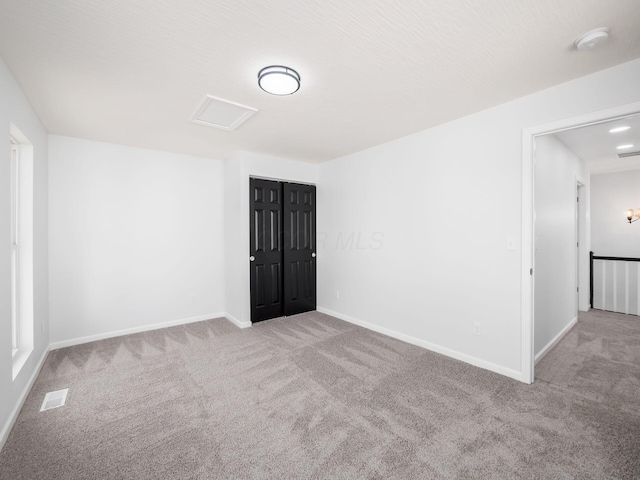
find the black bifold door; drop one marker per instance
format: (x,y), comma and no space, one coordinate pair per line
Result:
(283,246)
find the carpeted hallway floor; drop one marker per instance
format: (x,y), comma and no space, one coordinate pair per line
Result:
(311,396)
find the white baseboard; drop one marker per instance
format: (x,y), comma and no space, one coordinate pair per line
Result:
(128,331)
(555,340)
(428,345)
(6,429)
(237,322)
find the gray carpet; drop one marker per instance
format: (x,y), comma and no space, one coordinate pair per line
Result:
(311,396)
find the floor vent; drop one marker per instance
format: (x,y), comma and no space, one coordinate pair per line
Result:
(54,399)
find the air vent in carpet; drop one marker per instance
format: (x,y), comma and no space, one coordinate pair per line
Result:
(54,399)
(219,113)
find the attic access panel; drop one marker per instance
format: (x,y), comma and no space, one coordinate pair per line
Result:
(219,113)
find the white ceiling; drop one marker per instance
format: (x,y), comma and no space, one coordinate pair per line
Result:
(597,147)
(133,72)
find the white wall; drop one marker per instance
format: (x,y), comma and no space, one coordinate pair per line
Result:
(444,201)
(611,195)
(235,259)
(616,285)
(557,169)
(14,108)
(133,234)
(238,170)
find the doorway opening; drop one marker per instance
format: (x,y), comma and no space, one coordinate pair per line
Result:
(535,342)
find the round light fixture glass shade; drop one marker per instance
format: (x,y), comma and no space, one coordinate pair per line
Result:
(279,80)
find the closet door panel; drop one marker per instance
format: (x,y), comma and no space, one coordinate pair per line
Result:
(266,254)
(299,248)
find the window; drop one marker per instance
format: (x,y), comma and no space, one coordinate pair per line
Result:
(22,324)
(15,268)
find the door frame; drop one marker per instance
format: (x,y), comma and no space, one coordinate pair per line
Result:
(529,134)
(578,230)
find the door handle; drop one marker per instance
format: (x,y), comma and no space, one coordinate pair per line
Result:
(252,258)
(313,254)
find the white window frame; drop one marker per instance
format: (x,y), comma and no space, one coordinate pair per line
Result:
(15,248)
(22,245)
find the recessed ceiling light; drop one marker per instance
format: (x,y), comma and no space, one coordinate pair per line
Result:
(625,146)
(619,129)
(592,39)
(279,80)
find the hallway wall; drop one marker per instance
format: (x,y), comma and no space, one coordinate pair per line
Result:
(612,194)
(557,169)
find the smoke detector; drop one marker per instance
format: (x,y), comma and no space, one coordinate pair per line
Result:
(592,39)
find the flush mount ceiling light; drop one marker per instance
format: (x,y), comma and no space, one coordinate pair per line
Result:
(619,129)
(624,147)
(592,39)
(279,80)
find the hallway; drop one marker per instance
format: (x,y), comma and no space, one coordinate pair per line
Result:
(599,359)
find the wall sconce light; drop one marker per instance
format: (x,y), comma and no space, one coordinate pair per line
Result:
(633,216)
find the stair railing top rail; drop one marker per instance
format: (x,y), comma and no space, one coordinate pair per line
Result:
(619,259)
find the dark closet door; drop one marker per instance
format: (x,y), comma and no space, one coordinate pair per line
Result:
(266,258)
(299,248)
